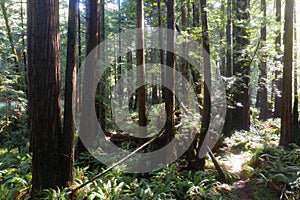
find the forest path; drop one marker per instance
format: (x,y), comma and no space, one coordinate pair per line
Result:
(235,163)
(243,190)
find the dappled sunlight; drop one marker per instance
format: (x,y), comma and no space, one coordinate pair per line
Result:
(234,162)
(192,106)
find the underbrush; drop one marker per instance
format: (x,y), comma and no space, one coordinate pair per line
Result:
(277,170)
(15,175)
(271,172)
(167,183)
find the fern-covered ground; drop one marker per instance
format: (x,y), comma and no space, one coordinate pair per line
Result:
(255,168)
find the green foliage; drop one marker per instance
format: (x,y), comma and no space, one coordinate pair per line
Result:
(13,116)
(270,169)
(278,169)
(15,175)
(49,194)
(261,134)
(167,183)
(17,22)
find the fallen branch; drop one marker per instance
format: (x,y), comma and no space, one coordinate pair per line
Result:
(117,163)
(217,166)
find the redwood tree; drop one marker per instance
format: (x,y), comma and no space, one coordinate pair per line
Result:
(140,61)
(169,93)
(262,96)
(241,67)
(278,79)
(161,51)
(286,135)
(70,85)
(227,130)
(196,163)
(44,94)
(295,115)
(103,93)
(92,40)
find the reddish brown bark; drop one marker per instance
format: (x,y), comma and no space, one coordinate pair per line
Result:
(44,93)
(286,134)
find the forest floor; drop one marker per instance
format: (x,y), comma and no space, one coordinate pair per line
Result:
(234,163)
(242,187)
(256,167)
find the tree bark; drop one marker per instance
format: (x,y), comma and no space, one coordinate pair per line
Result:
(262,94)
(92,40)
(196,17)
(227,129)
(241,68)
(70,86)
(140,59)
(169,93)
(286,135)
(184,67)
(278,61)
(44,93)
(194,162)
(296,101)
(119,65)
(102,82)
(79,35)
(161,51)
(205,120)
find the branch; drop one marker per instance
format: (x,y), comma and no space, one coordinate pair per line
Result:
(117,163)
(217,166)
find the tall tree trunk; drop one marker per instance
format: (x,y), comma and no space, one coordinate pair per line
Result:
(196,17)
(70,86)
(44,94)
(278,61)
(119,67)
(129,67)
(161,51)
(205,120)
(103,83)
(241,68)
(92,25)
(79,35)
(192,153)
(286,135)
(92,40)
(169,93)
(196,163)
(140,62)
(184,67)
(154,96)
(227,129)
(263,97)
(296,101)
